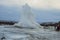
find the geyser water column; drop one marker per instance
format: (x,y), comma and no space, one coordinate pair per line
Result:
(27,19)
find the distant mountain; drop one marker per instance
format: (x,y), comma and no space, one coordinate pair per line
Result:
(13,14)
(9,13)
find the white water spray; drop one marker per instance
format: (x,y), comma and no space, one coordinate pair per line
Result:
(27,18)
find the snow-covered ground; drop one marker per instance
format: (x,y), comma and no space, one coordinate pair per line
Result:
(13,33)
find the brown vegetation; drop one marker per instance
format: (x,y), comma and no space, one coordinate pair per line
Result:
(7,22)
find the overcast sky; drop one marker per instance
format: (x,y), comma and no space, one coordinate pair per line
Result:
(41,5)
(33,3)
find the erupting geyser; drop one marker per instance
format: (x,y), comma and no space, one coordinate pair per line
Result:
(27,18)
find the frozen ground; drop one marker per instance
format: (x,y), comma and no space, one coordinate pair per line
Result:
(13,33)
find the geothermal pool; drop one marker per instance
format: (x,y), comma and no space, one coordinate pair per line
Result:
(13,33)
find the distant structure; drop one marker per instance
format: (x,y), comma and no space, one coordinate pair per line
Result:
(51,25)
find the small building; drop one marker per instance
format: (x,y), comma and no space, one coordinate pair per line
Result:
(50,25)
